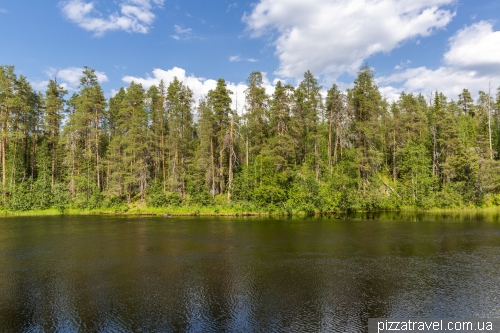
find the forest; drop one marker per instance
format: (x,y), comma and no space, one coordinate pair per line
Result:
(296,151)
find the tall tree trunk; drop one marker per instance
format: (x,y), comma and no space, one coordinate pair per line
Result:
(394,172)
(230,182)
(434,152)
(330,135)
(212,166)
(162,152)
(489,120)
(4,152)
(97,151)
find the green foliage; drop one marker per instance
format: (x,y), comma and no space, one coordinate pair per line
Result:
(173,199)
(21,199)
(41,194)
(416,179)
(448,198)
(156,198)
(115,203)
(61,197)
(269,196)
(289,152)
(304,194)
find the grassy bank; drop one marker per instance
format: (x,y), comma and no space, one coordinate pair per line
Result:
(141,210)
(172,211)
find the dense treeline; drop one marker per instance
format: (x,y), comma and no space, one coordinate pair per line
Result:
(292,151)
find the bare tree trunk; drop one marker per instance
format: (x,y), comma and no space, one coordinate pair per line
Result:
(175,175)
(394,172)
(72,181)
(53,170)
(4,161)
(162,152)
(97,149)
(230,182)
(330,135)
(340,143)
(489,120)
(213,166)
(434,152)
(316,156)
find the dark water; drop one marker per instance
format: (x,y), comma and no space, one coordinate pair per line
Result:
(112,274)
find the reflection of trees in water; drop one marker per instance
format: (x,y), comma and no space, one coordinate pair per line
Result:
(196,274)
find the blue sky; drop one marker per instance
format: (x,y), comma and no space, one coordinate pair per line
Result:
(413,45)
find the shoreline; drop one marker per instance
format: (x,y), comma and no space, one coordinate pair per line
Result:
(212,212)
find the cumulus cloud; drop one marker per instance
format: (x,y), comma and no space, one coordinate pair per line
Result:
(134,16)
(200,86)
(68,78)
(72,75)
(470,62)
(40,85)
(331,37)
(475,48)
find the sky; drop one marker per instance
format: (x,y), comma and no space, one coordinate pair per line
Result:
(412,45)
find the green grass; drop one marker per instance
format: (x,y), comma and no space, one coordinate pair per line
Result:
(229,210)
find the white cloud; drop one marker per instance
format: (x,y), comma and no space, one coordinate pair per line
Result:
(402,65)
(68,78)
(180,30)
(237,58)
(39,85)
(471,63)
(330,37)
(182,33)
(4,11)
(447,80)
(72,75)
(134,16)
(475,48)
(199,85)
(231,5)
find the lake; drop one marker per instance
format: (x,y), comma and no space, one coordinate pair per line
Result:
(206,274)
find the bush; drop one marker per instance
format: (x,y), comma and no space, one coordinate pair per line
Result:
(447,198)
(156,198)
(304,195)
(21,199)
(173,199)
(60,197)
(41,194)
(269,196)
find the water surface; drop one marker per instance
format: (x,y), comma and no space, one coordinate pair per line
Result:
(130,274)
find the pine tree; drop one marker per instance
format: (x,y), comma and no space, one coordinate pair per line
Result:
(219,101)
(180,138)
(158,113)
(256,113)
(336,118)
(134,126)
(53,115)
(280,124)
(7,81)
(368,106)
(308,107)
